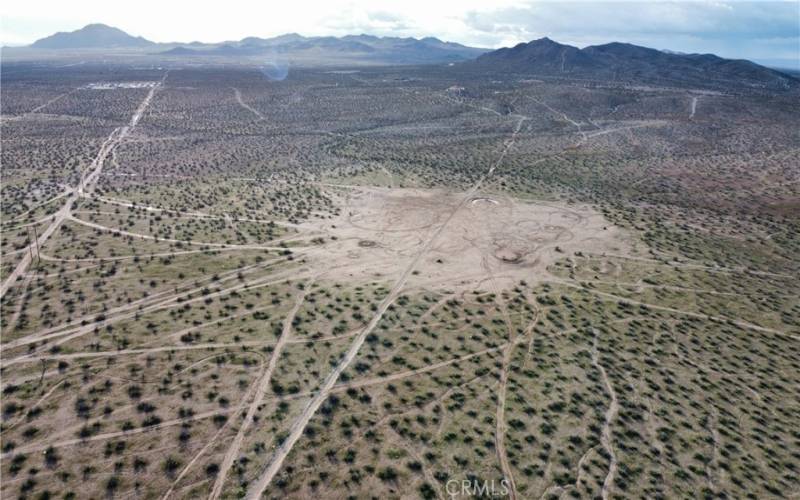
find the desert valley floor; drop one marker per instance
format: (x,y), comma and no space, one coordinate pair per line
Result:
(372,282)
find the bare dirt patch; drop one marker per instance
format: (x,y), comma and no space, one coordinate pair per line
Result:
(380,229)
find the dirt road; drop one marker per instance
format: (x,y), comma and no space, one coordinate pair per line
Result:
(611,413)
(247,106)
(260,392)
(500,416)
(87,183)
(259,485)
(116,434)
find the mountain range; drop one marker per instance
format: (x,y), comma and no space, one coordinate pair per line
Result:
(616,62)
(625,62)
(369,48)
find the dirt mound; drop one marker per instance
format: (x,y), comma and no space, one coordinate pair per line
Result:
(508,255)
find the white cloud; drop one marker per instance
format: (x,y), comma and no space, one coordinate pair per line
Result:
(731,28)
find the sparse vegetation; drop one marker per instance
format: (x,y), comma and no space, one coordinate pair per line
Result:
(614,306)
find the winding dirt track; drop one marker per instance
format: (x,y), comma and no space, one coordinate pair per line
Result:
(500,417)
(611,413)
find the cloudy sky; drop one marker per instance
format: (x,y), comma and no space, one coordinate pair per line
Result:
(755,29)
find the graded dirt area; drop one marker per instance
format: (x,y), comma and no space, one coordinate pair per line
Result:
(485,237)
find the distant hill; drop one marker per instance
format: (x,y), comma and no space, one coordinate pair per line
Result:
(631,63)
(366,48)
(317,49)
(179,51)
(616,62)
(92,36)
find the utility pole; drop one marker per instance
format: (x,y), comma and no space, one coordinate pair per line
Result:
(30,247)
(38,257)
(44,369)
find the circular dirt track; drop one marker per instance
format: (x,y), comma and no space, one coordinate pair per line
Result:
(487,201)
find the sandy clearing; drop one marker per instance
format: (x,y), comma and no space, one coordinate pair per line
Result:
(380,228)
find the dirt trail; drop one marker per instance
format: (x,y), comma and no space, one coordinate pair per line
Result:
(37,404)
(67,191)
(741,324)
(130,256)
(652,123)
(113,435)
(500,417)
(170,240)
(148,303)
(701,267)
(180,290)
(173,302)
(500,420)
(87,183)
(191,214)
(357,384)
(606,438)
(51,101)
(41,106)
(213,439)
(714,474)
(257,487)
(21,302)
(261,389)
(563,115)
(410,373)
(247,106)
(23,264)
(121,352)
(166,303)
(579,471)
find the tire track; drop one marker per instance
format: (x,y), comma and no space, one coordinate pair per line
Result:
(247,106)
(611,413)
(261,389)
(86,183)
(257,488)
(500,416)
(116,434)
